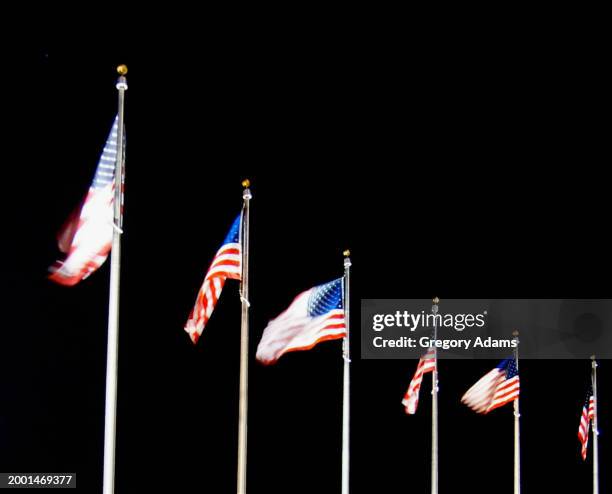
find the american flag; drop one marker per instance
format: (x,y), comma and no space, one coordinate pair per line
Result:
(588,414)
(227,263)
(495,389)
(427,363)
(314,316)
(86,236)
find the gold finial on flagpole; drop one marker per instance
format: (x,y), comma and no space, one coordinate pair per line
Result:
(122,69)
(246,183)
(347,253)
(436,300)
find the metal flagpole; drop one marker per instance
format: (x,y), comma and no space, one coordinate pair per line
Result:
(244,343)
(110,413)
(595,429)
(517,430)
(346,391)
(434,406)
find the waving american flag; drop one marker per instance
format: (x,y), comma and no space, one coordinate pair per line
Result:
(227,263)
(87,235)
(314,316)
(587,415)
(495,389)
(427,363)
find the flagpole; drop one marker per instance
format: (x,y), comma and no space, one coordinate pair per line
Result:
(434,406)
(244,343)
(517,431)
(346,391)
(110,413)
(595,428)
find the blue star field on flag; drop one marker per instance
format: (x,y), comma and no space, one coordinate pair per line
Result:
(325,298)
(509,365)
(233,235)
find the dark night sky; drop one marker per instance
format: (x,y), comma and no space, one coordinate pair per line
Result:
(461,172)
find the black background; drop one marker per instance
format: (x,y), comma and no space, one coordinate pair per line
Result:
(450,170)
